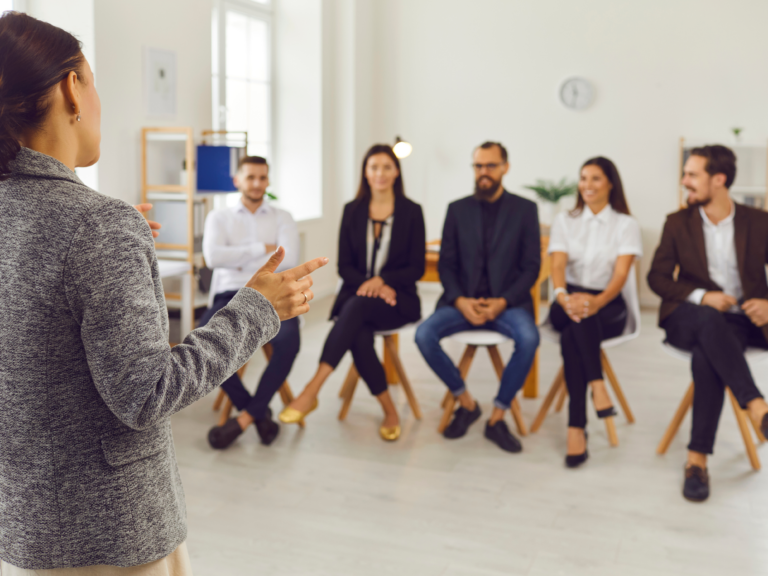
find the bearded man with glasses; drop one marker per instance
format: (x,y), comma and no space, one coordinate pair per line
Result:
(489,260)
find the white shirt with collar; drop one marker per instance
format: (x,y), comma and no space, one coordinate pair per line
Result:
(722,264)
(234,243)
(593,242)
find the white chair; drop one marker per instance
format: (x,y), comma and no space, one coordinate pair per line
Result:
(754,354)
(474,339)
(631,331)
(391,348)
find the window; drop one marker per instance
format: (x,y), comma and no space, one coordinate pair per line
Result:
(242,72)
(6,5)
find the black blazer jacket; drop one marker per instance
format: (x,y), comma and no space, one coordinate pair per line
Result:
(404,266)
(515,258)
(682,244)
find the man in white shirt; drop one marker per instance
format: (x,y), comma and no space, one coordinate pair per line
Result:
(238,241)
(716,304)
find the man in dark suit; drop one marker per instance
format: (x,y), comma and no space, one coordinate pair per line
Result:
(717,303)
(489,259)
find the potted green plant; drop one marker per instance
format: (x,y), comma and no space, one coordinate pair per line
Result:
(550,193)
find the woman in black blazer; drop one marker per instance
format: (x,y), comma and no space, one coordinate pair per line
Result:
(381,256)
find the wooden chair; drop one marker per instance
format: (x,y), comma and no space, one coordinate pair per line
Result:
(347,391)
(473,340)
(742,418)
(225,404)
(631,331)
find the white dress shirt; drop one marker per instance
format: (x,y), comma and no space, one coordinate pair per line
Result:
(722,264)
(382,255)
(593,242)
(234,244)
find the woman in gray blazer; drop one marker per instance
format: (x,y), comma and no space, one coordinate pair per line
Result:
(88,382)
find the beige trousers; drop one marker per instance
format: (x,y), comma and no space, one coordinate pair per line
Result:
(175,564)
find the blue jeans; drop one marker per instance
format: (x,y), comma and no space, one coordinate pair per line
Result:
(515,323)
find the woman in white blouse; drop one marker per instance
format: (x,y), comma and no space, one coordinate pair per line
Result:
(381,256)
(592,248)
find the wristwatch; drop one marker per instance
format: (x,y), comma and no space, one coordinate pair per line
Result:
(559,291)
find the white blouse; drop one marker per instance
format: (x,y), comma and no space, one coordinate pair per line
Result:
(593,242)
(383,252)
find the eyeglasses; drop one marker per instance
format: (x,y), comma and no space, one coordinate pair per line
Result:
(492,166)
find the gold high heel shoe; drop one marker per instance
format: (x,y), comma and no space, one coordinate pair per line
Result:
(292,416)
(390,433)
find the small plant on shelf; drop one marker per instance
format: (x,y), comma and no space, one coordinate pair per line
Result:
(737,133)
(552,192)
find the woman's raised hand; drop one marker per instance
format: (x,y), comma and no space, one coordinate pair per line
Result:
(154,226)
(288,292)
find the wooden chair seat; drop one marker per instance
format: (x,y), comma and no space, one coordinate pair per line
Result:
(225,404)
(391,353)
(488,340)
(559,387)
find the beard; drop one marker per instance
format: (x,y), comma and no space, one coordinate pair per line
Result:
(484,193)
(700,202)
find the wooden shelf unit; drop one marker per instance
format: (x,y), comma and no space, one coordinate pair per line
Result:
(739,190)
(186,193)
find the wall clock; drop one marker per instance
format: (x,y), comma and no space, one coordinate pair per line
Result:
(576,93)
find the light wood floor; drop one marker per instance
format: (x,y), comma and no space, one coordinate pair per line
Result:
(336,500)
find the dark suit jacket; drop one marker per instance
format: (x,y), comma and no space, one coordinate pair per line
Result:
(515,258)
(682,244)
(404,266)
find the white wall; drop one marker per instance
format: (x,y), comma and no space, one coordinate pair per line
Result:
(450,74)
(123,29)
(77,18)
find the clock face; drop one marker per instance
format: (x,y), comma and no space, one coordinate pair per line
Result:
(576,93)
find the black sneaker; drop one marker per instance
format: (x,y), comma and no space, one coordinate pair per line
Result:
(267,428)
(500,435)
(462,420)
(696,487)
(221,437)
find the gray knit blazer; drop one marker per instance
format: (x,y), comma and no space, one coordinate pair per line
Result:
(88,381)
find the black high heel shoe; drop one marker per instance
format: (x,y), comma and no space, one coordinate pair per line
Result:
(576,460)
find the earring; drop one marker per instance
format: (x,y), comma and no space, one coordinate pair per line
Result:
(78,116)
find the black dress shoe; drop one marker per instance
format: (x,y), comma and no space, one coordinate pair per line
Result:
(500,435)
(221,437)
(696,487)
(764,425)
(462,420)
(267,428)
(576,460)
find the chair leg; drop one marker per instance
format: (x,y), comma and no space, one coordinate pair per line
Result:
(352,376)
(391,344)
(498,366)
(616,387)
(677,419)
(561,399)
(517,415)
(349,389)
(749,443)
(610,428)
(449,402)
(558,382)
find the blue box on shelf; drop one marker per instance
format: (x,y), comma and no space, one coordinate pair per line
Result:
(216,166)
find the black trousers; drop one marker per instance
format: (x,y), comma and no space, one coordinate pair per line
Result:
(580,347)
(285,348)
(353,330)
(717,342)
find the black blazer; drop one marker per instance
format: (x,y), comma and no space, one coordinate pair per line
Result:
(404,266)
(515,259)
